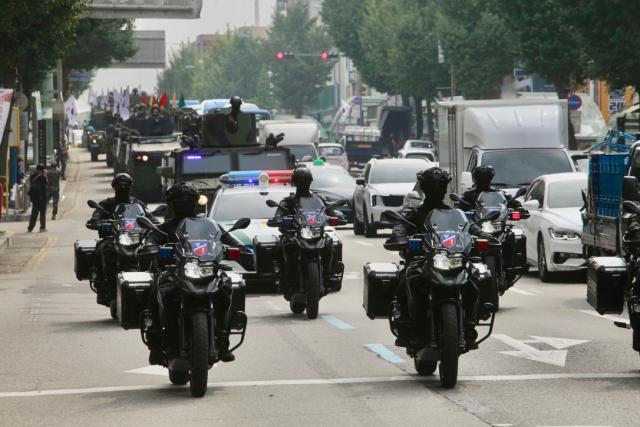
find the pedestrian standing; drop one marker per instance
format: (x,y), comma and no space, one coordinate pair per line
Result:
(53,188)
(62,157)
(38,195)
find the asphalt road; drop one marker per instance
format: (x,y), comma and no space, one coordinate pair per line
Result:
(551,360)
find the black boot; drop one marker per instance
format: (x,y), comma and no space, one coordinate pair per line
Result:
(223,350)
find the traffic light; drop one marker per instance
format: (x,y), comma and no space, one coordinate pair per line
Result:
(325,56)
(281,55)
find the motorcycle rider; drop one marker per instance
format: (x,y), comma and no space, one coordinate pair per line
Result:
(434,183)
(482,177)
(105,259)
(301,179)
(182,200)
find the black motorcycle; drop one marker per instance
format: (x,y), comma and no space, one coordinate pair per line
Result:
(121,233)
(194,307)
(307,254)
(440,272)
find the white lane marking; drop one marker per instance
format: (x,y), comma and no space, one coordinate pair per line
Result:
(361,243)
(525,351)
(150,370)
(606,316)
(333,320)
(320,381)
(522,292)
(351,276)
(558,343)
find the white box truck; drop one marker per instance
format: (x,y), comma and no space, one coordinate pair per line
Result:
(521,138)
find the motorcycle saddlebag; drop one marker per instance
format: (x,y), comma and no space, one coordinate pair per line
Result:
(380,281)
(606,281)
(520,264)
(83,258)
(238,296)
(133,296)
(265,253)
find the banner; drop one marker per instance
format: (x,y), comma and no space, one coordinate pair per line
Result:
(5,108)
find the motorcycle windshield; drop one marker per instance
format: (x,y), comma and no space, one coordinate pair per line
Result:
(311,212)
(491,201)
(448,229)
(200,237)
(127,214)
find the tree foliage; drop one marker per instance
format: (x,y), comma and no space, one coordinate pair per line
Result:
(179,75)
(297,82)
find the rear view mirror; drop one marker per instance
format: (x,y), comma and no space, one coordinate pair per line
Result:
(160,210)
(532,205)
(360,181)
(92,204)
(521,192)
(145,223)
(240,224)
(630,188)
(272,204)
(631,207)
(393,216)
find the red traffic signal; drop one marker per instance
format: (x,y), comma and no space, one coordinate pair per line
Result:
(281,55)
(325,56)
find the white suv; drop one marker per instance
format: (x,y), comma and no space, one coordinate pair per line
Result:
(382,187)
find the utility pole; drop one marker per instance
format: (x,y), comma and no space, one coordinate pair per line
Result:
(257,13)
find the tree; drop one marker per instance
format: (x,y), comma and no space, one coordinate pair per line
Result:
(35,34)
(179,76)
(477,46)
(230,68)
(297,82)
(97,43)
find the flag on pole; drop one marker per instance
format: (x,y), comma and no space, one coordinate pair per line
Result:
(164,100)
(173,101)
(181,103)
(71,111)
(154,101)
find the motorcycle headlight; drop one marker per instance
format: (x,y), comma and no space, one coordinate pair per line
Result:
(126,239)
(309,233)
(444,262)
(563,234)
(193,270)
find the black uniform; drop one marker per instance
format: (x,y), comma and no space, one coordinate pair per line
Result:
(470,197)
(38,194)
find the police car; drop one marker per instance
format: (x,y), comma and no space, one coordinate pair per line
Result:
(244,194)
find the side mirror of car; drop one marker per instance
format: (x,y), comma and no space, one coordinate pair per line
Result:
(630,188)
(360,181)
(532,205)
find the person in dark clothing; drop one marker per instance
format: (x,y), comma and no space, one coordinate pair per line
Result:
(38,195)
(434,183)
(62,155)
(482,177)
(53,188)
(182,200)
(106,258)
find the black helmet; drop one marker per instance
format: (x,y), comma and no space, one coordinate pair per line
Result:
(302,178)
(482,176)
(434,182)
(183,199)
(122,181)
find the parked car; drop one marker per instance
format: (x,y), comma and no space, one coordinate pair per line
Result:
(554,228)
(383,186)
(334,154)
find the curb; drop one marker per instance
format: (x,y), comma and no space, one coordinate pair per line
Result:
(6,241)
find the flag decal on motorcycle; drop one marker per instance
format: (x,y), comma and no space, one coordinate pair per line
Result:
(449,240)
(129,224)
(200,247)
(311,218)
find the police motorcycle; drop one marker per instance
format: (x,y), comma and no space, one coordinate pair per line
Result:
(305,244)
(442,268)
(196,301)
(121,232)
(507,254)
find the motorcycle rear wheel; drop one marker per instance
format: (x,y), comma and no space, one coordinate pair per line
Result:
(199,354)
(312,277)
(449,345)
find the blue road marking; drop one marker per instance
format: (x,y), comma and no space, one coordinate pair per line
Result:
(384,353)
(336,322)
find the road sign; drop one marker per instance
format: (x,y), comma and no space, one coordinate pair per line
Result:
(80,77)
(555,357)
(357,100)
(574,102)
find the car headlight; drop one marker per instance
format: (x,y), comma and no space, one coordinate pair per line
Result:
(193,270)
(563,234)
(309,233)
(126,239)
(444,262)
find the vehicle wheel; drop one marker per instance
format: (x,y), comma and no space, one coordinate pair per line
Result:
(543,272)
(178,377)
(358,227)
(312,276)
(296,307)
(113,308)
(489,293)
(449,345)
(424,367)
(94,156)
(369,231)
(199,354)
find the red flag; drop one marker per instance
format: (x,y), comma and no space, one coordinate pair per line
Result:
(143,99)
(164,100)
(154,101)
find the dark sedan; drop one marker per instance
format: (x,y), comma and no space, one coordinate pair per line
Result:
(333,183)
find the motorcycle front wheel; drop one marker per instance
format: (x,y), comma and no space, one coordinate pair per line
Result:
(449,345)
(199,354)
(312,278)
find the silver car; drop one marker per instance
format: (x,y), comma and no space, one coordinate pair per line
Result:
(382,187)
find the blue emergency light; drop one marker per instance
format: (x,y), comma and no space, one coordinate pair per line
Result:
(415,245)
(166,252)
(256,177)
